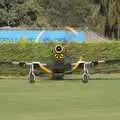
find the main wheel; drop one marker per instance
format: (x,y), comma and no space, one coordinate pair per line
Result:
(85,78)
(31,78)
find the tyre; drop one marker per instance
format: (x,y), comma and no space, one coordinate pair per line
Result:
(85,78)
(31,78)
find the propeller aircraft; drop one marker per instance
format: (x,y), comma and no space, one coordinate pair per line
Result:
(59,65)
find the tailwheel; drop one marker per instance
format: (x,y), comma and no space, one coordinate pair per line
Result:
(85,78)
(31,77)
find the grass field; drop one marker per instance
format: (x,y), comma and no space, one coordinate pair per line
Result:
(60,100)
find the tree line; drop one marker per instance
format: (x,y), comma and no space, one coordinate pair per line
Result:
(102,16)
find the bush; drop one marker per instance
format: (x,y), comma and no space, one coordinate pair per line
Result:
(42,51)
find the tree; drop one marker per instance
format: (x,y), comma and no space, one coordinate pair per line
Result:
(110,10)
(67,12)
(21,12)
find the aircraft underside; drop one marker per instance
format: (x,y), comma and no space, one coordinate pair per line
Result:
(57,76)
(58,70)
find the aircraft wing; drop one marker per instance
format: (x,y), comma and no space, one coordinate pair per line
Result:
(34,66)
(82,64)
(41,66)
(21,64)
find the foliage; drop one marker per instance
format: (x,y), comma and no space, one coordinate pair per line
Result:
(90,51)
(67,12)
(44,12)
(21,12)
(102,16)
(42,52)
(110,11)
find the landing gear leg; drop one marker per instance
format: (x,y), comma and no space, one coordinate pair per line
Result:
(85,77)
(31,76)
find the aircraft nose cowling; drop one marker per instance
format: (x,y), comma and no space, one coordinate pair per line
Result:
(58,52)
(59,49)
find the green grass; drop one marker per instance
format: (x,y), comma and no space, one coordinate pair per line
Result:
(21,51)
(60,100)
(42,51)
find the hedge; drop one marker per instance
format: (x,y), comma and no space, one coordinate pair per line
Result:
(24,51)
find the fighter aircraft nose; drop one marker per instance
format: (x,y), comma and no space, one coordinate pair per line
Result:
(58,52)
(59,48)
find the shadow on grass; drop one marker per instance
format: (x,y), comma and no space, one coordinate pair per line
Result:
(66,78)
(79,79)
(95,78)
